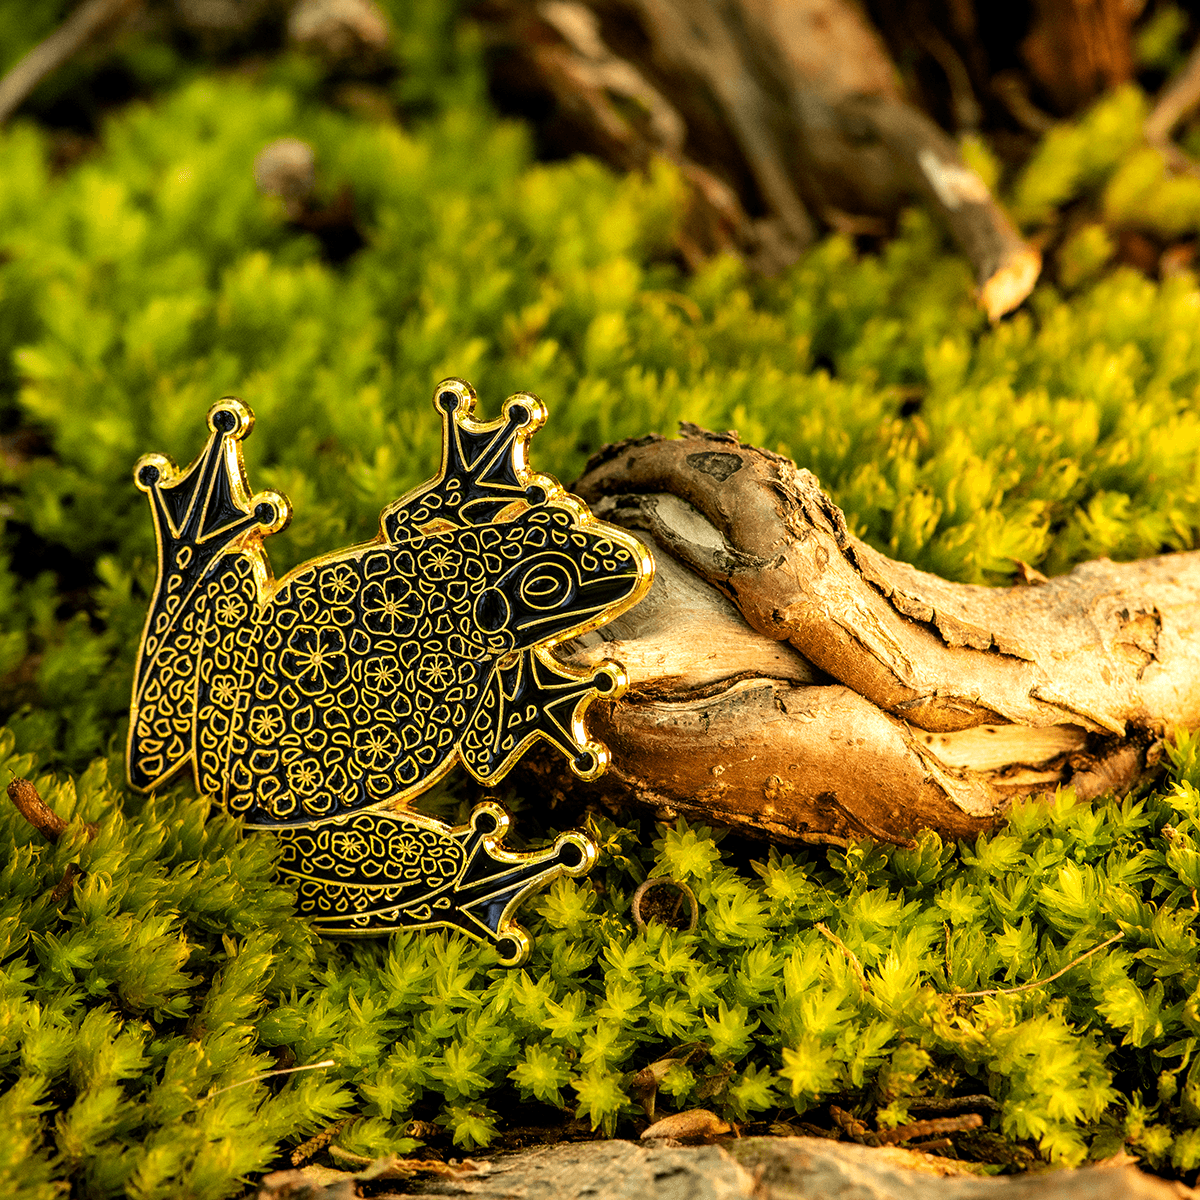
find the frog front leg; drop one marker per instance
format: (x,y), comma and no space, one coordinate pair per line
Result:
(532,696)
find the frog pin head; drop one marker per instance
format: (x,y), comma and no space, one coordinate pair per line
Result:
(319,705)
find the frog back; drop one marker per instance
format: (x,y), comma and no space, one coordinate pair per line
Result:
(364,672)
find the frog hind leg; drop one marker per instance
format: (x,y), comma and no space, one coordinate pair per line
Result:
(438,877)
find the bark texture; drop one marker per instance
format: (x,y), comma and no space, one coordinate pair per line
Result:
(791,681)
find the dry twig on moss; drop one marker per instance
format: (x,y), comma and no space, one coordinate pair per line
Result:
(1037,983)
(29,803)
(88,21)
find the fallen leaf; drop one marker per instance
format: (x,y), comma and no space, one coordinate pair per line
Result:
(695,1125)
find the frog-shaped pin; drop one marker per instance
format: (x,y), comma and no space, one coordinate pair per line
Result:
(318,705)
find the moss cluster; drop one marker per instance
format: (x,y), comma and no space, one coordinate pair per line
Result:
(140,1011)
(152,278)
(149,278)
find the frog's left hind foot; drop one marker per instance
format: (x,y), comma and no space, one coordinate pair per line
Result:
(377,871)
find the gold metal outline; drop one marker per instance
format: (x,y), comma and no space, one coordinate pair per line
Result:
(492,842)
(268,585)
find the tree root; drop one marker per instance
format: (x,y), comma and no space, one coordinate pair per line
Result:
(782,114)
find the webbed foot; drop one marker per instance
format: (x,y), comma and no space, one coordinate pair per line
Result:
(534,696)
(377,871)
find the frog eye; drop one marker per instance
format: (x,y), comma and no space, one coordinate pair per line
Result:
(546,586)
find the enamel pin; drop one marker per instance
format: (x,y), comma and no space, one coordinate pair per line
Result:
(319,705)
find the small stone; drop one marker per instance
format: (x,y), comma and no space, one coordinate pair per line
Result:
(695,1125)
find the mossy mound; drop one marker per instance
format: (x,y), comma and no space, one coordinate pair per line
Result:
(144,1009)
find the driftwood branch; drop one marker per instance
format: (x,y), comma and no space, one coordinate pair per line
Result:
(784,114)
(790,680)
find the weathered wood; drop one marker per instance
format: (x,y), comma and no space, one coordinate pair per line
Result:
(785,115)
(790,680)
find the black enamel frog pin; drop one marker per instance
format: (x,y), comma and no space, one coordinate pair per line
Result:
(317,706)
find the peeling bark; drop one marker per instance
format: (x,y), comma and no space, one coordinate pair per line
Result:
(788,679)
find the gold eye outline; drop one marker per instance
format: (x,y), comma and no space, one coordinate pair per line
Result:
(546,586)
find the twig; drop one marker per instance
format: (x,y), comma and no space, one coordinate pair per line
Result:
(62,45)
(943,1103)
(1009,87)
(848,1123)
(65,884)
(851,957)
(34,809)
(1024,987)
(1178,99)
(967,113)
(921,1129)
(329,1062)
(318,1141)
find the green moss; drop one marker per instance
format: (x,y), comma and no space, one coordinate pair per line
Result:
(123,1007)
(1077,156)
(1159,42)
(153,278)
(137,1014)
